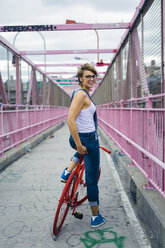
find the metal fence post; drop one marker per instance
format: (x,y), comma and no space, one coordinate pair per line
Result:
(131,131)
(17,133)
(1,129)
(149,140)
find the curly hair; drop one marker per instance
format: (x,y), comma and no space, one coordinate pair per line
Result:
(83,68)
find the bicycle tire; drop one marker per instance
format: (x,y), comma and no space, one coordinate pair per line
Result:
(64,203)
(81,189)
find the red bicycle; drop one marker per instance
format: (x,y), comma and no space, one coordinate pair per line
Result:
(73,195)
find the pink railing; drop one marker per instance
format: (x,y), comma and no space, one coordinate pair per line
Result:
(138,129)
(20,122)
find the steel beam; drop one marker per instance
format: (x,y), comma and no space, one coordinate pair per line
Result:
(64,27)
(73,79)
(53,52)
(31,83)
(69,64)
(58,65)
(18,90)
(63,72)
(2,91)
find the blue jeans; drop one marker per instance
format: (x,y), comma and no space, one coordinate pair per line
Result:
(92,164)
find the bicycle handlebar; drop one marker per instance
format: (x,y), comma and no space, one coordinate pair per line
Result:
(105,149)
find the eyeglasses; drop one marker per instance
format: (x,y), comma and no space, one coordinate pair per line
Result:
(90,76)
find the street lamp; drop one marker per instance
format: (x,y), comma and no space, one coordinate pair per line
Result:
(79,58)
(74,22)
(44,42)
(97,44)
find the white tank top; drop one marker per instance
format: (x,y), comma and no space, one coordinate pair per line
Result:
(85,121)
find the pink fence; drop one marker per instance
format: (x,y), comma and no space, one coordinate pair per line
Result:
(20,122)
(137,126)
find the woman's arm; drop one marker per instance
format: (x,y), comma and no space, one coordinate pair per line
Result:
(74,110)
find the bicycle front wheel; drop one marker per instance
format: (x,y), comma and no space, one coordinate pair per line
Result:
(64,203)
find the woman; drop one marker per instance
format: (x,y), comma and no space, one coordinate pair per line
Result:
(82,122)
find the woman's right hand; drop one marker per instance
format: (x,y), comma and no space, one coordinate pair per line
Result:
(82,150)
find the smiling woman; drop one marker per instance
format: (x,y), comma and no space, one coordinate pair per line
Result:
(82,122)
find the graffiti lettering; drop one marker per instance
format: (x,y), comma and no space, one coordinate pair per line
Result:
(28,28)
(92,238)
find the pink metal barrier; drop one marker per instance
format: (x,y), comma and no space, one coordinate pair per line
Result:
(20,122)
(137,126)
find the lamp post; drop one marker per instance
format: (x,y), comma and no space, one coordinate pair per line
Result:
(16,62)
(44,42)
(74,22)
(43,38)
(97,44)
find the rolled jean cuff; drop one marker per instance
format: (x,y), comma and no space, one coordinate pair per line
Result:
(93,203)
(75,159)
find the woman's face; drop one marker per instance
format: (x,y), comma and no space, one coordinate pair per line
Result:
(88,79)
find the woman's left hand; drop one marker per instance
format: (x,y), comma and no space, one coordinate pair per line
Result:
(82,150)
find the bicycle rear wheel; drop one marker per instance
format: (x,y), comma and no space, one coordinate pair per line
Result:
(82,188)
(64,203)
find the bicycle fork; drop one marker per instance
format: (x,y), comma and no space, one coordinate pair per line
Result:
(76,214)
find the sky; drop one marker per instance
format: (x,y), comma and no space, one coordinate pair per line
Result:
(55,11)
(36,12)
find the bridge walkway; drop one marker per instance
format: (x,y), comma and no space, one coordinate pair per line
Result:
(29,191)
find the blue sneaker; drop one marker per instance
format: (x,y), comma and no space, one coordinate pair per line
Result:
(65,175)
(99,221)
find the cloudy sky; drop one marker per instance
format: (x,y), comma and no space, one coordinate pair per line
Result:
(21,12)
(55,11)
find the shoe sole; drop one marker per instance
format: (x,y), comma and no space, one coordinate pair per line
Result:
(99,224)
(63,181)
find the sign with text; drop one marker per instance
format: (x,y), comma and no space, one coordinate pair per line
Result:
(27,28)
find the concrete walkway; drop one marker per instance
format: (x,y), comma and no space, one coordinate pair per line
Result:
(29,193)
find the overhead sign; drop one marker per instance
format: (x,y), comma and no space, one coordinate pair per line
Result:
(27,28)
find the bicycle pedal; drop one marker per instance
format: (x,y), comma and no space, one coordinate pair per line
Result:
(78,215)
